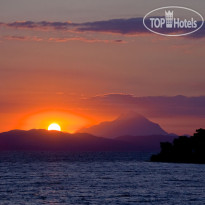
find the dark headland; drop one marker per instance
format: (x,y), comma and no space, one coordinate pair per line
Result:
(183,149)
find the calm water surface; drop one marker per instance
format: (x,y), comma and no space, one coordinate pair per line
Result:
(97,178)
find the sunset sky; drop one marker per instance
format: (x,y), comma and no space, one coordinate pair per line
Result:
(80,62)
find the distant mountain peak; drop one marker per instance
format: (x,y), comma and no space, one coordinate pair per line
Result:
(130,123)
(130,115)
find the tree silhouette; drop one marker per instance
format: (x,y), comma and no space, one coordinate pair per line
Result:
(183,149)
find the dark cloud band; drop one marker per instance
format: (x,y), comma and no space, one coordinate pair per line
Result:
(130,26)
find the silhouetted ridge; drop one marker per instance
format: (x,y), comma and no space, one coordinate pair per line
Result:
(127,124)
(183,149)
(44,140)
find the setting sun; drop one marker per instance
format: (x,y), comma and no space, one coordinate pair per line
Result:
(54,126)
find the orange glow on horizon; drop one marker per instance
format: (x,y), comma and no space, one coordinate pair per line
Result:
(69,122)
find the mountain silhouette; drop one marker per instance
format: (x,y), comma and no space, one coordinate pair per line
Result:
(131,124)
(44,140)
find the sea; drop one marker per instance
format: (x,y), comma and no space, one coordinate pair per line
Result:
(97,178)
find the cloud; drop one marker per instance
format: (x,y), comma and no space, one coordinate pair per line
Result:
(59,40)
(132,26)
(42,25)
(118,26)
(22,38)
(154,105)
